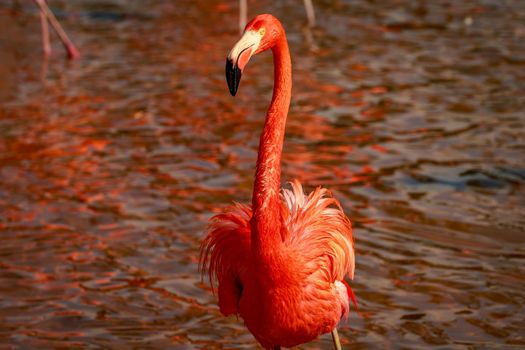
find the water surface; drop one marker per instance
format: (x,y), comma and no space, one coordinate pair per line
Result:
(110,166)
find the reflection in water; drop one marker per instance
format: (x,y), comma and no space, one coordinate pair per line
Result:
(412,114)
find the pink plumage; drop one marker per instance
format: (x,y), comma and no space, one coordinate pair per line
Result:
(317,251)
(280,263)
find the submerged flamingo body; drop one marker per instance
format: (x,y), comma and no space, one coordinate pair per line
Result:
(280,262)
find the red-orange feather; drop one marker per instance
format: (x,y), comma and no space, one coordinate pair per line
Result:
(317,238)
(281,262)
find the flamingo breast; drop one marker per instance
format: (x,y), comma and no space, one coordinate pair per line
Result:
(303,293)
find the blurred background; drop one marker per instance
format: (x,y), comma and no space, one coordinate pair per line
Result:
(411,112)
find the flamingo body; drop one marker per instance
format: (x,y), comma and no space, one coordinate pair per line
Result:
(304,296)
(280,262)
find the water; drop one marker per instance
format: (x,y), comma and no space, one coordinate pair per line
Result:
(411,113)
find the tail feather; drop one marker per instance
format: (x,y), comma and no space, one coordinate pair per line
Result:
(351,294)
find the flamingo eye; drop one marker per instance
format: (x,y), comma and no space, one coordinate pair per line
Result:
(262,31)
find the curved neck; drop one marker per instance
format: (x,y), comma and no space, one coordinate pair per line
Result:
(266,202)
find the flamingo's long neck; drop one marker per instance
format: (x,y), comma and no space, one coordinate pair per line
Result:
(266,223)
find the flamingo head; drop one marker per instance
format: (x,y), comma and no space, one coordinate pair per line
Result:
(260,34)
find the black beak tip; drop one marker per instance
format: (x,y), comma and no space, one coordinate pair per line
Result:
(233,76)
(233,91)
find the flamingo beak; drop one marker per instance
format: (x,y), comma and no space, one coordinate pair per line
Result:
(233,76)
(239,57)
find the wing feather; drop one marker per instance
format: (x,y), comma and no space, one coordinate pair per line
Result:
(225,254)
(318,227)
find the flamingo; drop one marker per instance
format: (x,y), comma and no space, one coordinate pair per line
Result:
(281,262)
(45,15)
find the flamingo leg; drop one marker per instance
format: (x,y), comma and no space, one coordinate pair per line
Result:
(70,48)
(335,339)
(45,34)
(243,14)
(310,12)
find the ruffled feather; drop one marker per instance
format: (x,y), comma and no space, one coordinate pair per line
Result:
(315,227)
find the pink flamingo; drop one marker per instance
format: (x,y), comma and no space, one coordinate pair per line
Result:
(45,15)
(281,262)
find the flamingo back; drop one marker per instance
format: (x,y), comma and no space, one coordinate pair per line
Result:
(317,225)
